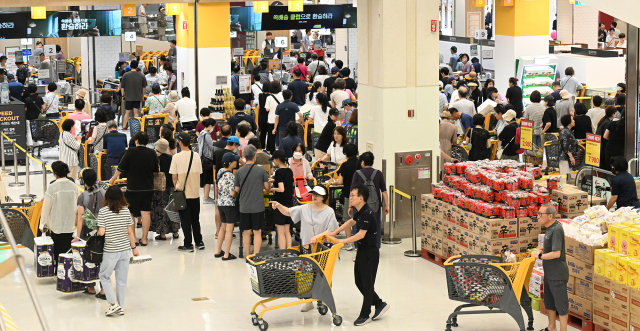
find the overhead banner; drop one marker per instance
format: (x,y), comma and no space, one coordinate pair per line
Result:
(60,24)
(280,18)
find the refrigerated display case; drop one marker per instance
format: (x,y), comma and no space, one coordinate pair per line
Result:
(536,74)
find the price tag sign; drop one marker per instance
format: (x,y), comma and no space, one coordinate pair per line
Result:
(481,34)
(124,57)
(526,135)
(331,49)
(238,51)
(593,150)
(296,5)
(128,10)
(261,6)
(221,80)
(38,13)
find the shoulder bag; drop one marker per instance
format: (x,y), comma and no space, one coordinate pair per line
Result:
(242,185)
(77,151)
(160,179)
(179,197)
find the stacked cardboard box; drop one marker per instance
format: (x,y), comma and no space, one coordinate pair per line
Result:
(448,230)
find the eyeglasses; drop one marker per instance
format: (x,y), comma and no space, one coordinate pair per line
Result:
(544,214)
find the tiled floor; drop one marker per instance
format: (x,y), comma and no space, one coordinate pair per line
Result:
(160,293)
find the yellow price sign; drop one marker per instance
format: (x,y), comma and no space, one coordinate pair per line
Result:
(173,9)
(526,134)
(261,6)
(593,150)
(128,10)
(298,5)
(38,13)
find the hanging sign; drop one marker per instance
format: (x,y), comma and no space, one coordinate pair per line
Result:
(38,13)
(49,50)
(261,6)
(128,10)
(478,3)
(593,149)
(173,9)
(296,5)
(526,134)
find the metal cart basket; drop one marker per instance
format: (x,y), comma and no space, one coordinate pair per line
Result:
(302,272)
(483,280)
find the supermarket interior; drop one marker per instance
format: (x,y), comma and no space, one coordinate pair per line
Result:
(522,215)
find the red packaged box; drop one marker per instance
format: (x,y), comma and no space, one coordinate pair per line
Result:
(498,196)
(522,212)
(461,168)
(510,184)
(512,199)
(507,212)
(525,183)
(553,182)
(536,172)
(496,184)
(543,198)
(450,168)
(533,211)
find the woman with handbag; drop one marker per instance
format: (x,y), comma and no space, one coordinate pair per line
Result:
(69,148)
(479,141)
(116,225)
(568,145)
(162,23)
(59,209)
(508,137)
(160,222)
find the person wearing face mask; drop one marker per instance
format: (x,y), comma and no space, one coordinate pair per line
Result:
(298,164)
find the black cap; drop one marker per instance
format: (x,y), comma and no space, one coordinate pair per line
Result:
(279,154)
(184,137)
(334,111)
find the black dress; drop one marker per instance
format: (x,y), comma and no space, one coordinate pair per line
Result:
(604,164)
(615,145)
(479,150)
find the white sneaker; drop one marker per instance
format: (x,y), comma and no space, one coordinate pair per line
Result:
(114,309)
(208,201)
(349,247)
(306,307)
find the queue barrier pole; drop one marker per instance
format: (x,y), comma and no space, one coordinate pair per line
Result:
(413,252)
(15,168)
(44,178)
(388,238)
(4,169)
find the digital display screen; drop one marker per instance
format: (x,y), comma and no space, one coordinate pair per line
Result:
(59,24)
(279,18)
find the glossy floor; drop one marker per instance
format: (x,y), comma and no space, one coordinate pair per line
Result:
(160,293)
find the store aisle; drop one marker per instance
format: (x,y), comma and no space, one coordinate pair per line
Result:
(160,293)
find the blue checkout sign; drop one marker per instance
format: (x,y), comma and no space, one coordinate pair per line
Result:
(26,52)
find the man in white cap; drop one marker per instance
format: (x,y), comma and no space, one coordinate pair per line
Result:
(564,106)
(316,219)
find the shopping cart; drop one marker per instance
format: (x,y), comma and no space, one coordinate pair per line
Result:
(483,280)
(304,272)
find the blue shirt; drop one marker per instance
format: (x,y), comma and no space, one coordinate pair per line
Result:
(239,117)
(235,85)
(299,90)
(467,121)
(15,90)
(115,143)
(477,67)
(289,142)
(286,111)
(453,61)
(307,44)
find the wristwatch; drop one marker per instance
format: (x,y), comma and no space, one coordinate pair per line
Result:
(540,255)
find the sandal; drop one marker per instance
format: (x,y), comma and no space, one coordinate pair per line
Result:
(219,255)
(86,291)
(140,243)
(101,296)
(139,225)
(159,237)
(231,257)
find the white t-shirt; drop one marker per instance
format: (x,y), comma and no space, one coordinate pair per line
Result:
(595,114)
(320,118)
(141,17)
(320,78)
(335,151)
(187,109)
(271,106)
(256,88)
(337,96)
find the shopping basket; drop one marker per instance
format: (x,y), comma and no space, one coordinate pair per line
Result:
(483,280)
(302,272)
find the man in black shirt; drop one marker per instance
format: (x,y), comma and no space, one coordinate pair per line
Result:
(350,83)
(602,33)
(225,132)
(139,163)
(241,116)
(328,83)
(368,255)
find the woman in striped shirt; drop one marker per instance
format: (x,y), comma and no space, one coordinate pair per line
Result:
(69,147)
(115,224)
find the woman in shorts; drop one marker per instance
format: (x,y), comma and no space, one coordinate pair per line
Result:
(227,205)
(283,194)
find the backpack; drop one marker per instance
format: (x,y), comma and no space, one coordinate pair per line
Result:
(520,150)
(206,151)
(22,74)
(373,201)
(92,200)
(94,249)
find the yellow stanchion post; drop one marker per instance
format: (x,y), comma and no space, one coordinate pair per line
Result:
(15,168)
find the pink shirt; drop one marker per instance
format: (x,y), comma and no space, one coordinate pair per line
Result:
(78,116)
(302,169)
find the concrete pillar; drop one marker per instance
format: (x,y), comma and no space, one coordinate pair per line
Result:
(521,30)
(392,82)
(214,49)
